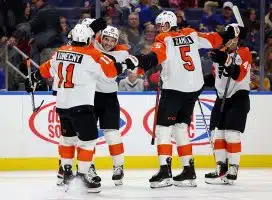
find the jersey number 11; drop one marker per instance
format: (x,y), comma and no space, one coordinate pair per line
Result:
(69,75)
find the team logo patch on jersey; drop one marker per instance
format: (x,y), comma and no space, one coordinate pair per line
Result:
(196,130)
(46,124)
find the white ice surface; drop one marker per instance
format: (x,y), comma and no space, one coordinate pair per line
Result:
(40,185)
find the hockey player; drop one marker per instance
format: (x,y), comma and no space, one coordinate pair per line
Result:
(106,104)
(78,67)
(177,52)
(227,127)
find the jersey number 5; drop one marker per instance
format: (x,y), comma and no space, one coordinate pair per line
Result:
(188,65)
(69,76)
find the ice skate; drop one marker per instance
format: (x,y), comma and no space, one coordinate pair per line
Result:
(67,176)
(89,183)
(118,174)
(217,177)
(92,173)
(187,177)
(231,175)
(163,178)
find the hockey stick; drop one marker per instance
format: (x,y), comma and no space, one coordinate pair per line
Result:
(155,115)
(28,65)
(205,123)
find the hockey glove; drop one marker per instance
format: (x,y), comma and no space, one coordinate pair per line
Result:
(35,78)
(232,31)
(98,25)
(218,56)
(130,63)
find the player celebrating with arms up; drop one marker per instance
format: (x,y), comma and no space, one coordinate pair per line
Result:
(182,77)
(232,65)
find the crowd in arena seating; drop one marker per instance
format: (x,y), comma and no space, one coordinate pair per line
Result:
(38,27)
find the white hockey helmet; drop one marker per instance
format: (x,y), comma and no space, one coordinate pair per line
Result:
(166,16)
(111,32)
(87,21)
(81,33)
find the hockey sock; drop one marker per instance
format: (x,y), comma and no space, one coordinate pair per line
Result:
(67,149)
(85,155)
(116,147)
(220,145)
(164,146)
(234,146)
(184,148)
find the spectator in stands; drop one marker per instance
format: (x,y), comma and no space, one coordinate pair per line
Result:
(268,62)
(268,18)
(253,37)
(208,20)
(112,8)
(147,39)
(11,13)
(125,9)
(23,39)
(255,81)
(131,83)
(181,20)
(250,18)
(268,54)
(227,15)
(64,29)
(84,14)
(148,11)
(255,74)
(133,31)
(45,26)
(183,3)
(108,20)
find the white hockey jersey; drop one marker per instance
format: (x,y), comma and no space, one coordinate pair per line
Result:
(76,70)
(119,53)
(244,61)
(178,54)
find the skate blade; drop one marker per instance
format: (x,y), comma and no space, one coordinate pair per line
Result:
(66,187)
(186,183)
(228,181)
(118,182)
(216,181)
(163,183)
(93,190)
(60,182)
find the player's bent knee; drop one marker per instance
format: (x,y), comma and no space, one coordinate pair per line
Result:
(112,136)
(232,136)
